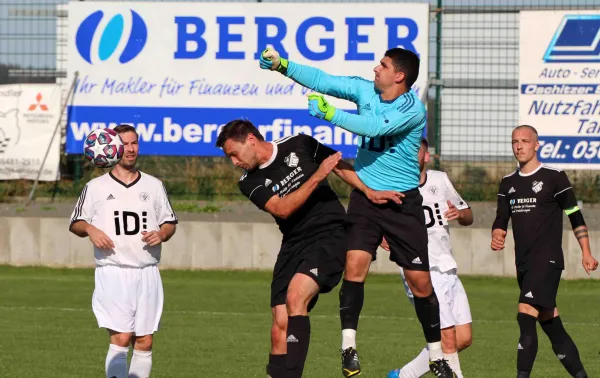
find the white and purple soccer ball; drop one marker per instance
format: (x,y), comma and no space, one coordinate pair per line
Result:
(103,148)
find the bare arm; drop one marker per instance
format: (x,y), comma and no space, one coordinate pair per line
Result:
(98,237)
(346,172)
(465,217)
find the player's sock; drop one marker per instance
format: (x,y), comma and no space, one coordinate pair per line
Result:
(352,297)
(428,312)
(454,363)
(116,361)
(141,364)
(528,342)
(348,338)
(276,367)
(417,367)
(298,337)
(563,346)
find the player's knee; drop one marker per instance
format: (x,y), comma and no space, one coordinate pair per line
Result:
(464,342)
(357,266)
(120,339)
(143,343)
(419,283)
(296,303)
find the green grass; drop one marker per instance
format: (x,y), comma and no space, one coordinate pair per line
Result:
(216,324)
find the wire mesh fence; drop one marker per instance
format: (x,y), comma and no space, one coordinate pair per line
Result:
(472,99)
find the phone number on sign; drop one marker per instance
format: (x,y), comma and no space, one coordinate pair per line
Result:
(559,149)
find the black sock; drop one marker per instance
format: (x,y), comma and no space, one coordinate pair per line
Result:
(528,342)
(428,312)
(352,297)
(276,367)
(298,337)
(563,346)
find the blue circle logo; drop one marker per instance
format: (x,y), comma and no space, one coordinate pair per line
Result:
(111,37)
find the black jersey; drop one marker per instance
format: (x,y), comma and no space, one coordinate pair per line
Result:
(535,202)
(294,160)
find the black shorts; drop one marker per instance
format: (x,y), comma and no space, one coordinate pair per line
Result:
(403,227)
(539,286)
(322,258)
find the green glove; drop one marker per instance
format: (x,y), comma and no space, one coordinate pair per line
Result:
(319,107)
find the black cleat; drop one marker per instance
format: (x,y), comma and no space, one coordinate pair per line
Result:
(440,368)
(350,364)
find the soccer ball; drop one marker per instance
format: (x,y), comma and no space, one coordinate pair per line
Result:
(103,148)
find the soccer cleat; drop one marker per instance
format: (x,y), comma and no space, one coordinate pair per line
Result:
(350,364)
(440,368)
(394,373)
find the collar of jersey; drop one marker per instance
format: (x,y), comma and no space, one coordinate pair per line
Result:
(405,94)
(273,156)
(530,173)
(122,183)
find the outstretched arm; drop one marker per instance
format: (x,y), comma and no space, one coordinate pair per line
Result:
(344,87)
(346,172)
(395,121)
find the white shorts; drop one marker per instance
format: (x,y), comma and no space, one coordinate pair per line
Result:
(454,305)
(128,299)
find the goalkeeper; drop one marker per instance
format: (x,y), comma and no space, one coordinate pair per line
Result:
(390,122)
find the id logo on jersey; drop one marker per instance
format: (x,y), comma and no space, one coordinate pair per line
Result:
(128,222)
(537,186)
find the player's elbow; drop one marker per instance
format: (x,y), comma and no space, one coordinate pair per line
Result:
(466,217)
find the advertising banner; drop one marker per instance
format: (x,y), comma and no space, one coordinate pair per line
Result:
(28,116)
(179,71)
(559,85)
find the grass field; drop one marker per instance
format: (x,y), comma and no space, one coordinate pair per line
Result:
(216,324)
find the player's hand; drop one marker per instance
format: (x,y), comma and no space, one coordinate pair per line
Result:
(270,60)
(452,212)
(319,107)
(99,238)
(498,237)
(152,238)
(589,263)
(327,166)
(380,197)
(384,244)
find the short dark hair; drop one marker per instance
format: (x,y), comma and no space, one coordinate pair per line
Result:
(124,128)
(425,143)
(405,61)
(238,130)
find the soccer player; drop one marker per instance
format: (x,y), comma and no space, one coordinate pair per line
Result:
(127,216)
(441,204)
(287,178)
(391,120)
(533,197)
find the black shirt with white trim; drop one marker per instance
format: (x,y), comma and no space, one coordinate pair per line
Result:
(535,202)
(295,159)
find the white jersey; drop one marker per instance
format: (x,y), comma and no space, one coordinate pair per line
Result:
(436,191)
(123,212)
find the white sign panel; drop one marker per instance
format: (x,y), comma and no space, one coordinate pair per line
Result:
(178,71)
(559,85)
(28,116)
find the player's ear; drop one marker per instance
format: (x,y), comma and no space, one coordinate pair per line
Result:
(427,157)
(400,77)
(537,145)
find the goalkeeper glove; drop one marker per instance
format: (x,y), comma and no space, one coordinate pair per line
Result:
(270,60)
(319,107)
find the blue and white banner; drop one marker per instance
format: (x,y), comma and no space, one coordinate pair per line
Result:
(180,71)
(559,85)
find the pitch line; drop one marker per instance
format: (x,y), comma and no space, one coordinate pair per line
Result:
(265,314)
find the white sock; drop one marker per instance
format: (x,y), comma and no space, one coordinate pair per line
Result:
(141,364)
(435,351)
(348,338)
(417,367)
(116,361)
(454,363)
